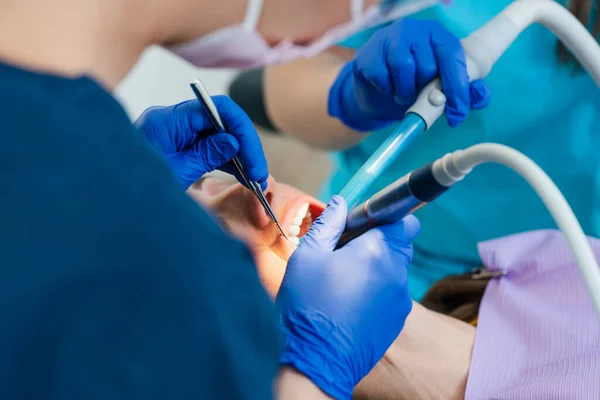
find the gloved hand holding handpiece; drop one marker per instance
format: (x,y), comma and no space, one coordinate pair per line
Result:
(184,135)
(383,80)
(342,309)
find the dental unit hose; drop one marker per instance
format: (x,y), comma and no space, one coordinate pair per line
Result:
(482,49)
(423,185)
(485,46)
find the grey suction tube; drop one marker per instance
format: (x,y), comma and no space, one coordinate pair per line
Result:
(485,46)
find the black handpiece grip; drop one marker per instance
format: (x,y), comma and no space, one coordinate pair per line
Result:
(394,202)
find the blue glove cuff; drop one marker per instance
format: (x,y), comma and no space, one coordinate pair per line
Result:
(309,351)
(342,104)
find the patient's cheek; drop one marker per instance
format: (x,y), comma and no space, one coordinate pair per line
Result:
(271,270)
(271,264)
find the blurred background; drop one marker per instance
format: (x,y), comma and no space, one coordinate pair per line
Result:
(160,78)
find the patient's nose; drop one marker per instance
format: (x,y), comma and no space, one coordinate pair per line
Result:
(271,188)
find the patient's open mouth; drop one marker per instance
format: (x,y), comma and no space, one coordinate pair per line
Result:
(300,216)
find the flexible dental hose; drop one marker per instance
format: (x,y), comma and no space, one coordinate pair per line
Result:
(454,166)
(487,44)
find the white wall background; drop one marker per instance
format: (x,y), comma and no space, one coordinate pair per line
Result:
(160,78)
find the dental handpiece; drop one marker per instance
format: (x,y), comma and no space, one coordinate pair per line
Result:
(399,199)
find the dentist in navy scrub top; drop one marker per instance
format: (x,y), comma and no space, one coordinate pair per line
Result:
(114,283)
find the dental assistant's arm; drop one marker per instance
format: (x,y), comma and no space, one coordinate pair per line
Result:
(329,103)
(296,97)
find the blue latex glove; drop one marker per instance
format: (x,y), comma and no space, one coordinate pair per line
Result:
(185,137)
(383,80)
(341,310)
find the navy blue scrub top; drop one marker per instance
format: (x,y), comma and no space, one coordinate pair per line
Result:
(113,283)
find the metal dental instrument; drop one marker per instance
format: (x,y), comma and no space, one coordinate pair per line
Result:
(204,97)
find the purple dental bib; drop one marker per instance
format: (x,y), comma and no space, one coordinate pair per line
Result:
(538,336)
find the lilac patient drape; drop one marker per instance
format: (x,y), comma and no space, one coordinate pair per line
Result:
(538,336)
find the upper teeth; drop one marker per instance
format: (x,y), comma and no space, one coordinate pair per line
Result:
(294,229)
(302,211)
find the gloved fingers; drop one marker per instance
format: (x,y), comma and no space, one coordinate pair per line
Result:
(370,64)
(453,73)
(480,94)
(427,67)
(191,120)
(251,153)
(206,155)
(401,64)
(397,236)
(400,234)
(393,241)
(159,128)
(325,232)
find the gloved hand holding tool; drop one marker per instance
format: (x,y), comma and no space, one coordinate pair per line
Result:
(185,136)
(342,309)
(383,80)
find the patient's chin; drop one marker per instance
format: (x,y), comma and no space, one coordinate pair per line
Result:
(282,248)
(271,269)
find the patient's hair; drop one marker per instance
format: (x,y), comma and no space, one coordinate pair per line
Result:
(586,12)
(457,296)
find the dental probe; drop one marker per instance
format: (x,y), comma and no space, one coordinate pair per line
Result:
(423,185)
(482,49)
(204,98)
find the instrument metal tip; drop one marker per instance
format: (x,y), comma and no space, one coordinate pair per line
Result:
(280,230)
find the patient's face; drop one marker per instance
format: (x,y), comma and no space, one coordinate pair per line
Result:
(244,217)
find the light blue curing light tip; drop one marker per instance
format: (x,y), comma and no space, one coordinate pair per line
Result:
(406,132)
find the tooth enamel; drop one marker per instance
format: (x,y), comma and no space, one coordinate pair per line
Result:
(299,219)
(294,230)
(302,211)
